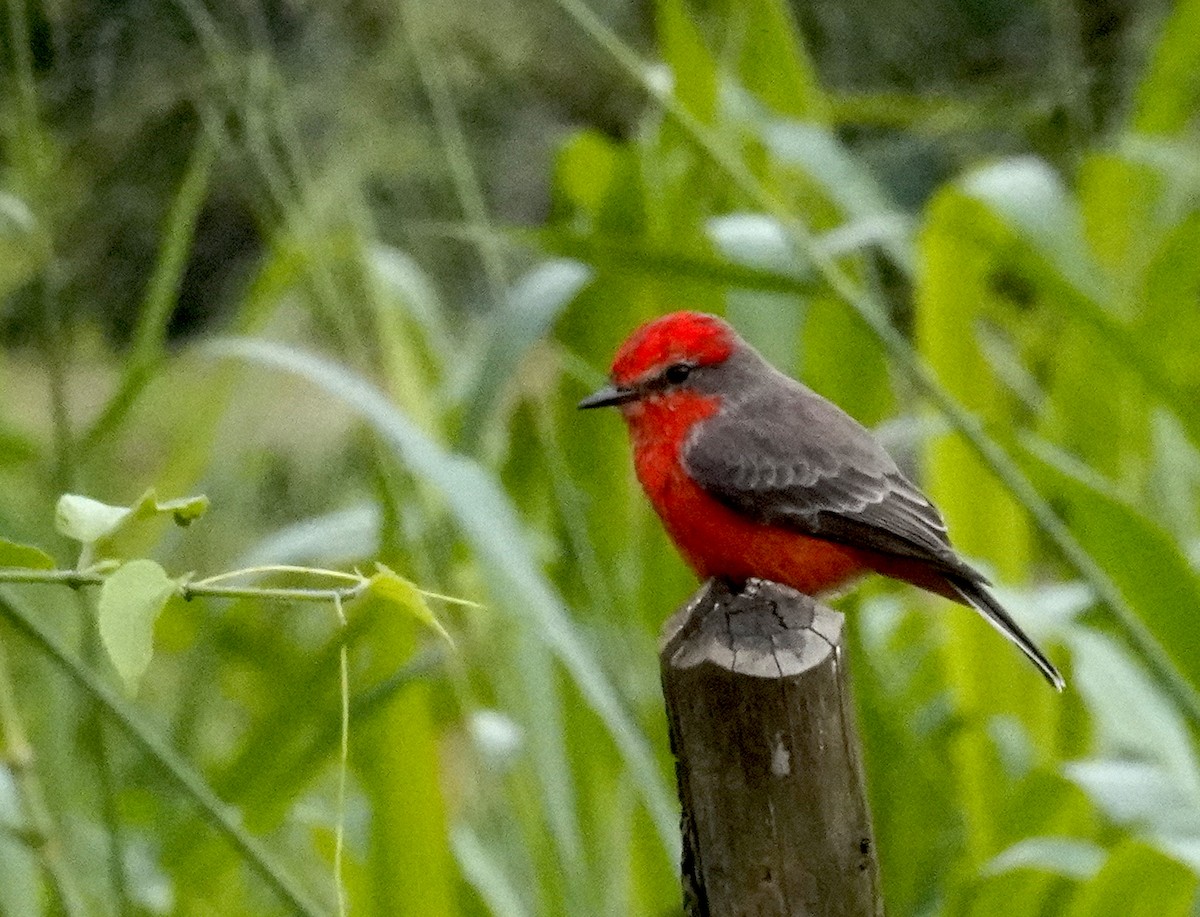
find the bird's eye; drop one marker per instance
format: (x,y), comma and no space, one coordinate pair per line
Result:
(677,372)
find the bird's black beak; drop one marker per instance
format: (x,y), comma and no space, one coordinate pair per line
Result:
(609,396)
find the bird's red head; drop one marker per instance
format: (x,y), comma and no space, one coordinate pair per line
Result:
(662,353)
(681,337)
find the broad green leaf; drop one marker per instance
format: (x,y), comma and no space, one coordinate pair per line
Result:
(1062,856)
(486,873)
(1137,881)
(1139,794)
(1146,564)
(131,600)
(638,257)
(1045,232)
(1131,715)
(399,593)
(24,556)
(1030,199)
(1168,96)
(1168,322)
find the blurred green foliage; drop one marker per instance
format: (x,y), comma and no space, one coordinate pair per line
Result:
(347,268)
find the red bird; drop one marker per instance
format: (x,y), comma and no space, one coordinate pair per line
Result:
(755,475)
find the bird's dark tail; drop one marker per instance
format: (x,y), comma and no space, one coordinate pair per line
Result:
(975,595)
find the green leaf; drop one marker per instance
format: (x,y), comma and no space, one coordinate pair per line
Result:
(1143,559)
(1137,881)
(533,305)
(130,602)
(86,520)
(585,168)
(24,556)
(1167,98)
(774,64)
(686,53)
(185,510)
(89,521)
(1062,856)
(1132,716)
(865,206)
(1028,197)
(1139,794)
(180,775)
(393,589)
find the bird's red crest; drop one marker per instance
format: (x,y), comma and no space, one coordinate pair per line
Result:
(692,336)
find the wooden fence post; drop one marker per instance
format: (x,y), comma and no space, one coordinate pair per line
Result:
(775,820)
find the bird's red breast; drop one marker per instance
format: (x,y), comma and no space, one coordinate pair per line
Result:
(714,539)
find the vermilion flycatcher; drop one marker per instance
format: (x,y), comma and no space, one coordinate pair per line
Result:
(755,475)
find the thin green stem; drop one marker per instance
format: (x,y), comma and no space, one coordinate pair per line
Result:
(902,354)
(339,845)
(277,568)
(79,578)
(175,768)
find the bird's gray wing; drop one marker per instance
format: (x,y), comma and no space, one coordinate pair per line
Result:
(786,456)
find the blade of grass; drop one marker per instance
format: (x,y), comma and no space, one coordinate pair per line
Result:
(488,522)
(180,772)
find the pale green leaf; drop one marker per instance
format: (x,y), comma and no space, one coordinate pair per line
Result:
(86,520)
(130,602)
(1145,562)
(89,521)
(393,589)
(533,305)
(24,556)
(1062,856)
(1138,794)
